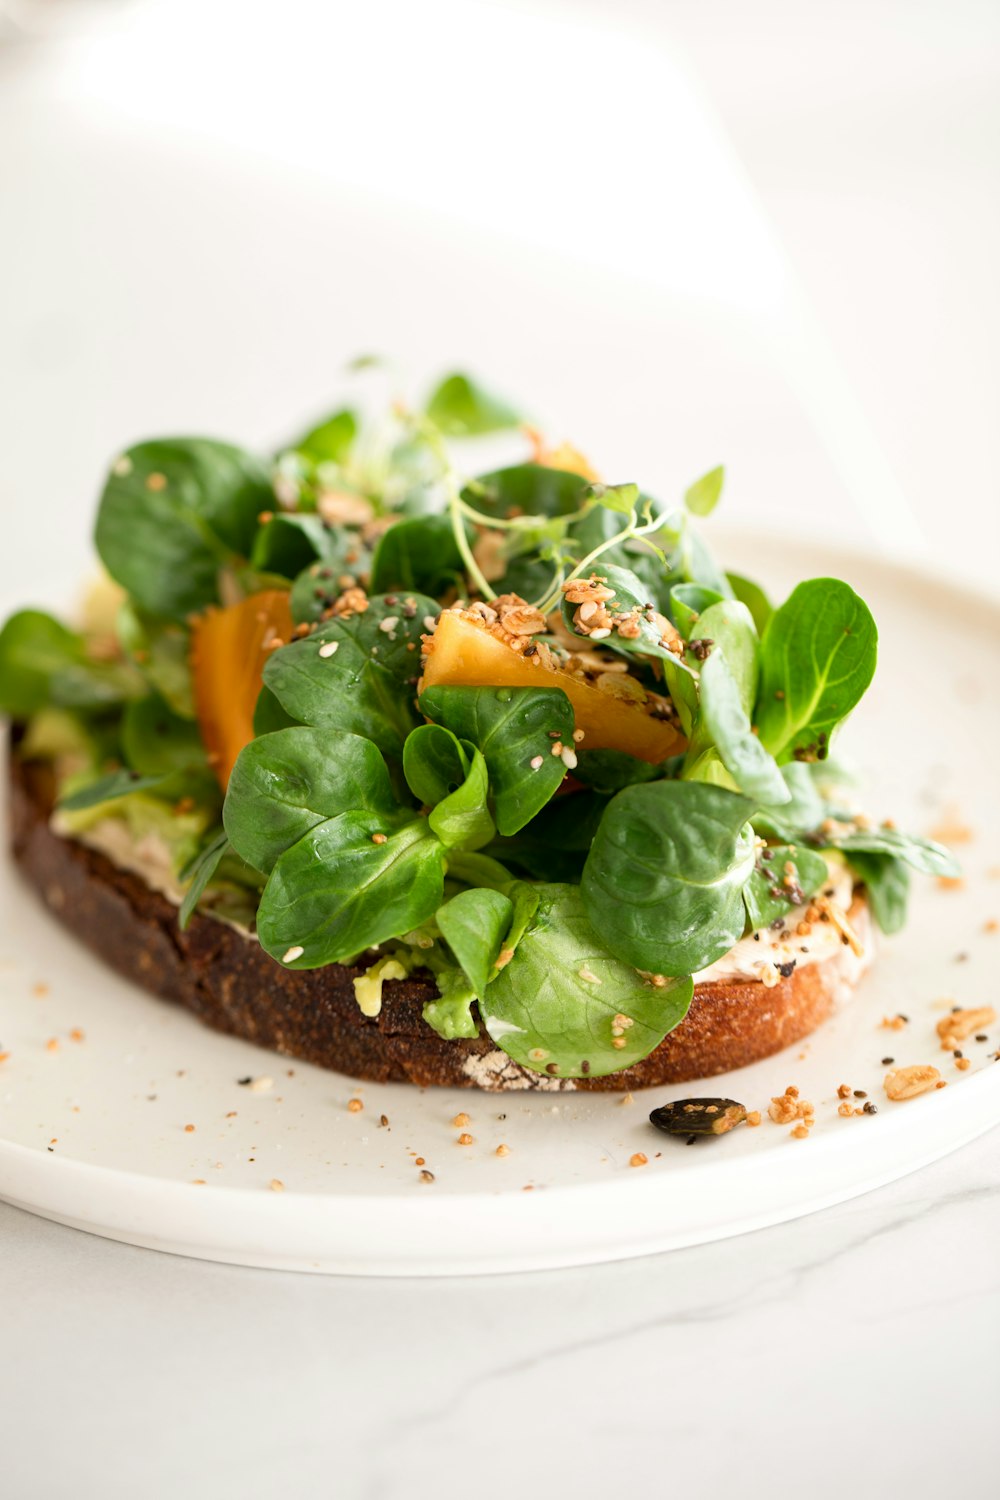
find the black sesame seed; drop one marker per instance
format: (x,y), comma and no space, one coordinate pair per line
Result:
(981,1037)
(887,1060)
(860,1094)
(244,1081)
(869,1108)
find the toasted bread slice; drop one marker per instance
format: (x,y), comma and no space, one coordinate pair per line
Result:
(229,982)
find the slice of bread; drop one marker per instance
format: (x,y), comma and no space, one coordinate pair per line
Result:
(229,982)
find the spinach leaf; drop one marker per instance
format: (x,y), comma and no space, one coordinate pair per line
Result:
(564,1006)
(462,408)
(199,876)
(366,685)
(663,883)
(345,563)
(610,770)
(287,543)
(330,441)
(268,714)
(887,881)
(43,664)
(288,782)
(156,741)
(435,763)
(818,657)
(801,812)
(687,602)
(478,870)
(515,728)
(450,777)
(554,844)
(421,554)
(161,650)
(703,496)
(526,490)
(338,891)
(473,924)
(729,626)
(173,511)
(107,788)
(725,720)
(921,854)
(753,596)
(782,877)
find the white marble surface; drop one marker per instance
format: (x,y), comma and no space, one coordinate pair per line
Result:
(851,1352)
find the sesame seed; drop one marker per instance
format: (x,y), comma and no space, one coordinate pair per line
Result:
(601,634)
(380,838)
(430,622)
(502,1150)
(569,759)
(329,648)
(294,952)
(261,1085)
(639,1159)
(557,748)
(388,625)
(536,762)
(578,735)
(122,466)
(355,1106)
(427,1177)
(276,1185)
(465,1139)
(156,482)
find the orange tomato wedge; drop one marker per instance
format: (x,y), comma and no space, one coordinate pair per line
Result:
(228,651)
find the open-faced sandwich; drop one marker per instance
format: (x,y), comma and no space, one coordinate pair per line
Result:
(494,781)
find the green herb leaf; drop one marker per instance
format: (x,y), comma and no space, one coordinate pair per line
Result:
(817,658)
(288,543)
(622,498)
(611,770)
(512,727)
(554,1007)
(156,741)
(663,883)
(724,718)
(473,924)
(450,777)
(288,782)
(461,408)
(42,664)
(366,686)
(630,594)
(766,894)
(173,511)
(200,875)
(687,602)
(268,714)
(887,881)
(798,814)
(526,490)
(703,496)
(337,892)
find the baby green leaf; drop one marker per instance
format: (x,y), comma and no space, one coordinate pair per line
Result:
(774,889)
(800,812)
(526,490)
(288,543)
(887,881)
(703,496)
(329,441)
(43,664)
(319,584)
(172,512)
(663,883)
(156,741)
(924,855)
(288,782)
(817,658)
(514,728)
(107,788)
(725,720)
(462,820)
(729,626)
(161,650)
(365,684)
(753,596)
(420,553)
(611,770)
(337,891)
(687,602)
(473,924)
(435,763)
(562,1002)
(461,408)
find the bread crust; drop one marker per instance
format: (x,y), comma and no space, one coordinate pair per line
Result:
(231,984)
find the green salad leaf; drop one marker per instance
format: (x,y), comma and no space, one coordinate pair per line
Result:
(420,553)
(42,665)
(345,563)
(564,1005)
(782,879)
(287,783)
(887,881)
(350,883)
(817,658)
(925,855)
(474,924)
(726,722)
(516,730)
(366,683)
(462,408)
(703,496)
(110,787)
(330,441)
(199,876)
(663,882)
(449,776)
(173,512)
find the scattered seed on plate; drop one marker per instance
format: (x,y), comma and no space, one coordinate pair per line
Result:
(698,1116)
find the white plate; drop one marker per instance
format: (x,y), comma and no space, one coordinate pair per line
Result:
(93,1132)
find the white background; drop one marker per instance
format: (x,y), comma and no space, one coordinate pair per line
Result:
(682,233)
